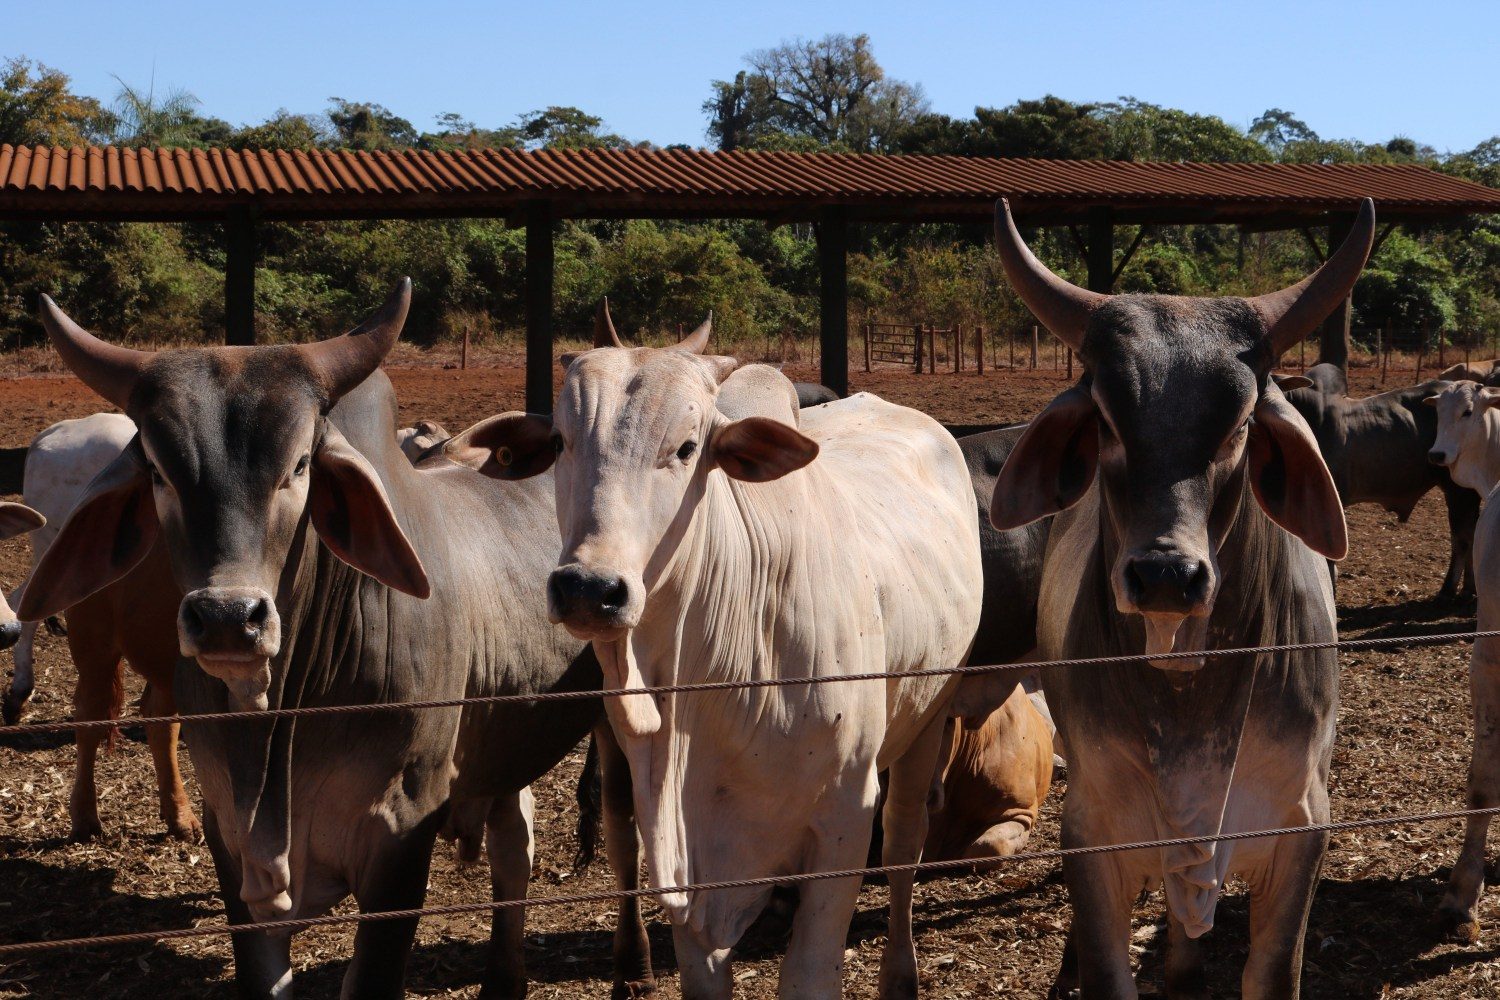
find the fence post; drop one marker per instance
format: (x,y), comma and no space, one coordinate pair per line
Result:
(463,357)
(1442,354)
(1033,348)
(931,349)
(979,350)
(1070,364)
(917,349)
(1385,349)
(865,328)
(1422,348)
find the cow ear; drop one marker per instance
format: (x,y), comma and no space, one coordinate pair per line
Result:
(1430,401)
(568,358)
(1053,464)
(1290,479)
(1286,383)
(1487,396)
(758,449)
(508,446)
(17,519)
(352,516)
(110,531)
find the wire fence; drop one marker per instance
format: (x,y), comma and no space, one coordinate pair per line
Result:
(251,715)
(962,865)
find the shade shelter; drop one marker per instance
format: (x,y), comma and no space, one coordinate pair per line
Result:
(832,190)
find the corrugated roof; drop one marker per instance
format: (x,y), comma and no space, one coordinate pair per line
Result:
(111,182)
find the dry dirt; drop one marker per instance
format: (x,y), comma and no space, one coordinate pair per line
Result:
(1402,748)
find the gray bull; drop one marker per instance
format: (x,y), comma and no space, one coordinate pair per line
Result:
(1193,512)
(1377,450)
(304,543)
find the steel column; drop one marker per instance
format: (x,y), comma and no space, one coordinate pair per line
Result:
(833,297)
(1333,335)
(539,274)
(239,278)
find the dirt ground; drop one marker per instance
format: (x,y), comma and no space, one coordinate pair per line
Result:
(1402,748)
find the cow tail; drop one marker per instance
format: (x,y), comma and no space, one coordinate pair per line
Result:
(590,809)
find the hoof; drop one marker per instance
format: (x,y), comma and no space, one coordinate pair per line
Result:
(12,708)
(187,829)
(86,832)
(633,990)
(898,987)
(1457,928)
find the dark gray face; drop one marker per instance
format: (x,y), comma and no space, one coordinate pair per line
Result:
(229,439)
(1174,382)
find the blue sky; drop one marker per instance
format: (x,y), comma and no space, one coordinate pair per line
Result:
(1350,70)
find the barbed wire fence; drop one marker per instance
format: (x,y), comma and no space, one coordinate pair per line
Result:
(22,949)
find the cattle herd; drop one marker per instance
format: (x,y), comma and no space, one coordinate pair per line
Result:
(255,533)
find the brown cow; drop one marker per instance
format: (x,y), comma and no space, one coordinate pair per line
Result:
(994,779)
(1482,372)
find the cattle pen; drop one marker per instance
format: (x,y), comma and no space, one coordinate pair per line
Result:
(998,930)
(135,913)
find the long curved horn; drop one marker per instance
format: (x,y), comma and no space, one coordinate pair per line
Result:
(1294,312)
(344,362)
(697,341)
(109,370)
(604,327)
(1062,307)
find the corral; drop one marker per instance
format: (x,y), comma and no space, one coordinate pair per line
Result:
(1402,748)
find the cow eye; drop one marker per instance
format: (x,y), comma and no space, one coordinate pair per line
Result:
(557,444)
(1469,412)
(686,451)
(302,464)
(157,479)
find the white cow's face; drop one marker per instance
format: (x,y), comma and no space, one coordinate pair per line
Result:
(636,435)
(1463,432)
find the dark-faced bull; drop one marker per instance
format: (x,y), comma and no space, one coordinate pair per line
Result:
(318,567)
(1194,512)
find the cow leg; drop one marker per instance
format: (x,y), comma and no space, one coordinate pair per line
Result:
(905,823)
(1186,976)
(1102,902)
(176,810)
(98,695)
(1458,914)
(633,976)
(262,963)
(704,974)
(1463,513)
(508,840)
(397,880)
(1280,900)
(23,681)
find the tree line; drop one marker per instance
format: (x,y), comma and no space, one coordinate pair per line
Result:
(165,281)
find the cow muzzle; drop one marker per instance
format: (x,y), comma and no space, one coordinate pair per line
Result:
(1438,456)
(10,633)
(593,604)
(1173,592)
(232,632)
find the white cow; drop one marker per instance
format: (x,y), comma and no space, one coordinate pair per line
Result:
(61,461)
(700,544)
(1468,443)
(1468,434)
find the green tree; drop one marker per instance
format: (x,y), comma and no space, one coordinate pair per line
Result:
(38,108)
(364,125)
(142,117)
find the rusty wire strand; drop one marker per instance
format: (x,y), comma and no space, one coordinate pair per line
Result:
(761,682)
(610,895)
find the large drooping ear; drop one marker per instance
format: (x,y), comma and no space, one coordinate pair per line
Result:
(509,446)
(109,532)
(1286,383)
(17,519)
(1053,464)
(352,515)
(758,449)
(1290,479)
(1486,396)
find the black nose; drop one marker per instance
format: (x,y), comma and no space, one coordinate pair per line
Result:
(224,624)
(10,633)
(1437,458)
(582,594)
(1166,582)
